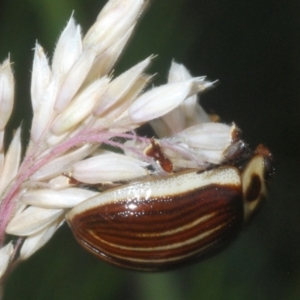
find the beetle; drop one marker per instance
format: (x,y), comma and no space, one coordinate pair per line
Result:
(167,222)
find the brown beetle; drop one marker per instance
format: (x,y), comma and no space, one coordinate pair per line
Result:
(166,222)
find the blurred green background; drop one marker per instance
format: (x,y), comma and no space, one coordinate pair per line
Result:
(253,48)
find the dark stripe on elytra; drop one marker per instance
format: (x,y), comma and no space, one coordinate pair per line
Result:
(230,225)
(114,217)
(229,211)
(176,237)
(187,208)
(220,238)
(163,224)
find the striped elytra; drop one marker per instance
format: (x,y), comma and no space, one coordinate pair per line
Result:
(166,222)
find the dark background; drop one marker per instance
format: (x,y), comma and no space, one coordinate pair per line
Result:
(252,47)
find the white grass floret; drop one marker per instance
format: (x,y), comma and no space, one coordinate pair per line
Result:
(104,62)
(120,86)
(6,92)
(112,23)
(43,114)
(81,107)
(74,79)
(41,76)
(68,48)
(209,136)
(163,99)
(32,220)
(48,198)
(5,256)
(12,160)
(108,168)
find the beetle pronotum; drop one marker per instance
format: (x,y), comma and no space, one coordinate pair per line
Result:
(166,222)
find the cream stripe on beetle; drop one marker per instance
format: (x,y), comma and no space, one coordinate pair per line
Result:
(189,225)
(164,260)
(171,185)
(168,247)
(138,262)
(166,222)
